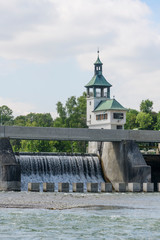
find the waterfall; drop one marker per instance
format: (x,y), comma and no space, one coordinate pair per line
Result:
(46,167)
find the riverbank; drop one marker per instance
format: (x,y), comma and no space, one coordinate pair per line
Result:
(59,201)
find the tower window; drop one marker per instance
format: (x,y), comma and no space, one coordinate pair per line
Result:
(119,126)
(118,115)
(90,92)
(90,116)
(90,103)
(98,117)
(101,116)
(98,92)
(105,116)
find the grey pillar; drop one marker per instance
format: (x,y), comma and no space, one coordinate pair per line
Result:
(123,162)
(10,171)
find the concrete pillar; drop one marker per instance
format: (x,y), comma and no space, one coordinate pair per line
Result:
(78,187)
(158,149)
(134,187)
(148,187)
(92,187)
(106,187)
(123,162)
(48,187)
(93,147)
(10,170)
(63,187)
(33,187)
(158,187)
(120,187)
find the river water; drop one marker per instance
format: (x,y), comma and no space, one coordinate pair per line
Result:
(130,216)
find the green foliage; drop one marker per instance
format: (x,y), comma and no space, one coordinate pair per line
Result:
(33,120)
(72,115)
(37,146)
(131,119)
(62,112)
(157,125)
(154,119)
(6,117)
(144,120)
(146,106)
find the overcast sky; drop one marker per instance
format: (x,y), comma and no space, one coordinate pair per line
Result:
(48,47)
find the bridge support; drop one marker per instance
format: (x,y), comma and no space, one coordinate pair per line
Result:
(10,171)
(122,162)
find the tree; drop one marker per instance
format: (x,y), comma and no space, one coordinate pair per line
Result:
(157,126)
(144,120)
(61,111)
(146,106)
(6,116)
(131,119)
(71,105)
(34,120)
(39,120)
(154,118)
(20,120)
(72,115)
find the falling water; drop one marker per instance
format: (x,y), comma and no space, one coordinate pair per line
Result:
(59,168)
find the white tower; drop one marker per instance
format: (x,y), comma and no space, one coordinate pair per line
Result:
(102,111)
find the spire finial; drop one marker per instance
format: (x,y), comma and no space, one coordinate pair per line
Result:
(98,51)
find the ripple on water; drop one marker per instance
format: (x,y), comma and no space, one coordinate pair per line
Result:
(83,223)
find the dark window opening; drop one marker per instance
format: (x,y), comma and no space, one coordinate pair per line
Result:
(119,126)
(118,115)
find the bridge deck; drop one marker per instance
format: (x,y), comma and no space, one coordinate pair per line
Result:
(78,134)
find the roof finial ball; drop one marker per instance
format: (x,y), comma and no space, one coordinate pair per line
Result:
(98,51)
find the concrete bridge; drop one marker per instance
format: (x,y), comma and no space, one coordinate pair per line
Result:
(120,157)
(78,134)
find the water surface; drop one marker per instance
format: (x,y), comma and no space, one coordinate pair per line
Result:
(139,221)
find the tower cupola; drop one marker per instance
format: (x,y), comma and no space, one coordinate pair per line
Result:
(98,86)
(98,66)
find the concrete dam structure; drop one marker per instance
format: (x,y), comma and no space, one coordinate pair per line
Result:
(119,157)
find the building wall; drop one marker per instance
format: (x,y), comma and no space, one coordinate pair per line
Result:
(109,123)
(92,103)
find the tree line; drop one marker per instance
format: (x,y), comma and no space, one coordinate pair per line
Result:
(72,114)
(145,119)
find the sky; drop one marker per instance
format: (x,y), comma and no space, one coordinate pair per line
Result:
(48,48)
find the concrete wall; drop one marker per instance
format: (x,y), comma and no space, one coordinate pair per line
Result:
(123,162)
(10,171)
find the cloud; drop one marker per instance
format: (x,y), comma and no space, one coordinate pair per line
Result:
(18,108)
(44,30)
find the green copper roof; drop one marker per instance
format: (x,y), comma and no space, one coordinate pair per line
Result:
(98,61)
(110,104)
(98,81)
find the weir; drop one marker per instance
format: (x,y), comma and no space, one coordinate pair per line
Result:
(55,168)
(121,159)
